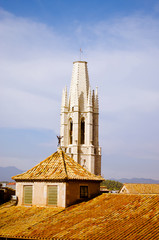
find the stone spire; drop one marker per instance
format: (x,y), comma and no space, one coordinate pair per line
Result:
(80,78)
(64,98)
(76,95)
(90,98)
(96,101)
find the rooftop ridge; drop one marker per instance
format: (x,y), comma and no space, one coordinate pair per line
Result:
(141,183)
(62,155)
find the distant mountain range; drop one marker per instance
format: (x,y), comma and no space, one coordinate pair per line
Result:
(7,172)
(136,180)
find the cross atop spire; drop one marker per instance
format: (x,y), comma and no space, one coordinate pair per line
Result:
(81,53)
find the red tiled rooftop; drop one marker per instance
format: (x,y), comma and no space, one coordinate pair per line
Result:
(109,216)
(140,188)
(58,166)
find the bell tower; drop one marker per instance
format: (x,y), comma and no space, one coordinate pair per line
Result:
(79,120)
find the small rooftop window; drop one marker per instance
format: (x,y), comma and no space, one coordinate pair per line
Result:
(83,191)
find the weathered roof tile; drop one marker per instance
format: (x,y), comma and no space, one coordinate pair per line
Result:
(58,166)
(108,216)
(139,188)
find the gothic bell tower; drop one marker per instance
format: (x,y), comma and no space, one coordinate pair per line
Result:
(79,120)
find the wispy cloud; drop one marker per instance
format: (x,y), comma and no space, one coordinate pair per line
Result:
(123,56)
(33,69)
(134,32)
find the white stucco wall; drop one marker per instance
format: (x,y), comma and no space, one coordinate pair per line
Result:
(39,195)
(73,190)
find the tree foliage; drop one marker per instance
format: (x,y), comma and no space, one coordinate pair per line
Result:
(112,185)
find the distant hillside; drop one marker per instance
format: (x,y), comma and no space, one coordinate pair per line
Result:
(136,180)
(7,172)
(112,184)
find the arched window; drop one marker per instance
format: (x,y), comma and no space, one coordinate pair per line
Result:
(82,131)
(71,132)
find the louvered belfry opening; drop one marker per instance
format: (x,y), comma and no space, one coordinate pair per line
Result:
(28,195)
(52,195)
(82,131)
(71,132)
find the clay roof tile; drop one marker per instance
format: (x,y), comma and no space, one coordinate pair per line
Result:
(58,166)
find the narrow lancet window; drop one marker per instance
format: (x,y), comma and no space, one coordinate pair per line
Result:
(82,131)
(71,132)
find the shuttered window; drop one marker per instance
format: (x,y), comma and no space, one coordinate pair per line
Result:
(28,194)
(52,195)
(83,191)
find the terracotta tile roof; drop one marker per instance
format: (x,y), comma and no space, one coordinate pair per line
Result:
(11,183)
(58,166)
(109,216)
(139,188)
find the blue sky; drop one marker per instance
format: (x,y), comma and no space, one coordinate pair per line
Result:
(39,40)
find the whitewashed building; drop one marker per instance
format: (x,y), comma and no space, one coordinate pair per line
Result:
(57,181)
